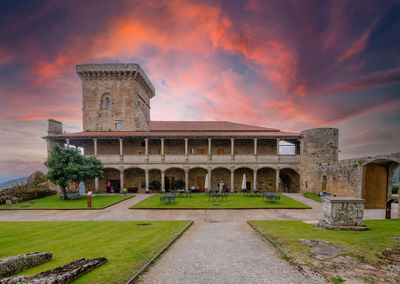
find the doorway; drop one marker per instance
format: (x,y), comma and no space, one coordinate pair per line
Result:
(375,186)
(200,183)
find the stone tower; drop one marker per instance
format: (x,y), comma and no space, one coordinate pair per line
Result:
(116,97)
(318,146)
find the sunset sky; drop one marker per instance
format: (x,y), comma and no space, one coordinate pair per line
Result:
(291,65)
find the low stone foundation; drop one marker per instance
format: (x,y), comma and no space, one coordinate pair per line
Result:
(342,213)
(60,275)
(15,264)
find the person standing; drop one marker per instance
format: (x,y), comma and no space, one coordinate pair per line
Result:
(108,186)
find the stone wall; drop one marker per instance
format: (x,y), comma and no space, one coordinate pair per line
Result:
(319,145)
(348,178)
(266,179)
(128,91)
(19,193)
(15,264)
(219,174)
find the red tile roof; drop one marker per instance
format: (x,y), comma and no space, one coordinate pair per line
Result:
(188,129)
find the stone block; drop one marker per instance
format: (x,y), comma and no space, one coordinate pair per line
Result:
(342,213)
(15,264)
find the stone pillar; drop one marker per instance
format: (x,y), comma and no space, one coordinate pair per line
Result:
(121,178)
(277,180)
(96,184)
(121,147)
(255,146)
(209,148)
(162,149)
(95,146)
(49,147)
(232,180)
(146,147)
(147,181)
(277,146)
(68,142)
(162,181)
(232,148)
(186,179)
(255,179)
(209,179)
(186,147)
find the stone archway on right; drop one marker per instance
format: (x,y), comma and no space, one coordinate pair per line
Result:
(377,182)
(289,180)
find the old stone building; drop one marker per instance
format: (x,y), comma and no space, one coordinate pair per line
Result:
(140,154)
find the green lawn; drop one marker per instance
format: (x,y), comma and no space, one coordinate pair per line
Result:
(364,244)
(235,201)
(55,202)
(313,195)
(126,245)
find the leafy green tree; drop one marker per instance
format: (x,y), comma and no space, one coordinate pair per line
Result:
(67,165)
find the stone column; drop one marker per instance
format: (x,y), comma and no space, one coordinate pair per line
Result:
(95,146)
(186,147)
(255,179)
(49,147)
(121,179)
(146,147)
(147,181)
(277,146)
(121,147)
(162,149)
(162,181)
(255,146)
(277,180)
(209,148)
(232,180)
(232,148)
(209,179)
(96,184)
(186,179)
(68,140)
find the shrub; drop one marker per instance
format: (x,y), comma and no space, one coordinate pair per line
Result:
(155,184)
(179,184)
(395,189)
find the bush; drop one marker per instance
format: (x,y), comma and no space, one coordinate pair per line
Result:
(179,184)
(395,189)
(155,184)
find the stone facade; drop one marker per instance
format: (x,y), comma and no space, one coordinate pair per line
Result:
(115,97)
(136,151)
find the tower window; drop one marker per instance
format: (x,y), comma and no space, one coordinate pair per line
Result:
(108,103)
(118,125)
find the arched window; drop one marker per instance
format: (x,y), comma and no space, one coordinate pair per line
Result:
(108,103)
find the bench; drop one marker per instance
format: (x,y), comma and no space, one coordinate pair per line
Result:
(168,198)
(271,196)
(73,195)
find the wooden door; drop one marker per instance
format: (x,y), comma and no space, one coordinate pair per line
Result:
(220,151)
(200,183)
(374,186)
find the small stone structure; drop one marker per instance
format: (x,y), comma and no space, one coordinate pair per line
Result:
(15,264)
(60,275)
(342,213)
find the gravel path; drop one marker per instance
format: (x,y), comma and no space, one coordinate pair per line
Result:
(222,253)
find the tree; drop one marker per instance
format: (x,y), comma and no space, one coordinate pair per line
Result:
(68,165)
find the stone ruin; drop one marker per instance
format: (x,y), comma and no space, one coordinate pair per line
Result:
(342,213)
(60,275)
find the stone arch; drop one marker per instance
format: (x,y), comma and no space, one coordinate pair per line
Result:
(135,179)
(238,178)
(110,174)
(376,183)
(289,180)
(197,177)
(266,179)
(218,174)
(173,174)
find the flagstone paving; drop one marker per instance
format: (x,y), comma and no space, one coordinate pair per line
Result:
(223,252)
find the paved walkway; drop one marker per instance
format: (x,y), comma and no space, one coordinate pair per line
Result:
(122,212)
(222,253)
